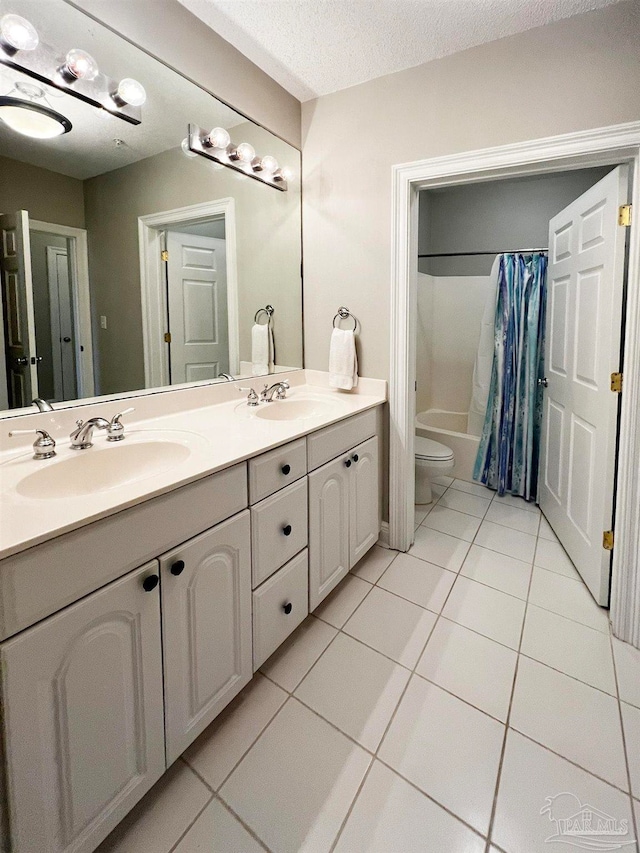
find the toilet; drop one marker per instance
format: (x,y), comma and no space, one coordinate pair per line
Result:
(432,460)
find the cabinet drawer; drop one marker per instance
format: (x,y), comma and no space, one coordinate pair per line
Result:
(330,442)
(278,530)
(276,469)
(279,606)
(80,562)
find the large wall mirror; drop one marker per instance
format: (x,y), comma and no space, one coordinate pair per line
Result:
(128,261)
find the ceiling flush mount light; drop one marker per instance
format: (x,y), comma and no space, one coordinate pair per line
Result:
(216,145)
(78,75)
(79,65)
(29,118)
(16,33)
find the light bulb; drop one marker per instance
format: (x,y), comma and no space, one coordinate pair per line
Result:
(185,148)
(79,65)
(16,33)
(245,152)
(287,174)
(269,163)
(131,92)
(218,138)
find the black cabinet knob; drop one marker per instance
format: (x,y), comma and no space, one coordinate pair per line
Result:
(286,469)
(347,463)
(150,582)
(355,457)
(287,530)
(288,607)
(177,568)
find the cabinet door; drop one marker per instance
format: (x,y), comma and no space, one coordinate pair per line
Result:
(328,528)
(206,619)
(364,499)
(83,719)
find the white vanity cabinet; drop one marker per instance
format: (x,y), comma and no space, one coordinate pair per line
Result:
(344,503)
(206,628)
(83,716)
(109,671)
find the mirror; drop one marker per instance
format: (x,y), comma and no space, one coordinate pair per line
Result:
(128,262)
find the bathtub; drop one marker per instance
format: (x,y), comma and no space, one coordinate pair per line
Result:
(450,428)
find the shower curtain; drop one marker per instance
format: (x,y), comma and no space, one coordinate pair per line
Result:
(509,450)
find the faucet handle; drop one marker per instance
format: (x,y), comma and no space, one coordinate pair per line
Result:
(115,430)
(252,397)
(43,446)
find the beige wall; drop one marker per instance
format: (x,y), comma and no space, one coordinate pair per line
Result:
(170,32)
(47,195)
(268,251)
(576,74)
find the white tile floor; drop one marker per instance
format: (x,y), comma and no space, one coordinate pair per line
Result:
(457,699)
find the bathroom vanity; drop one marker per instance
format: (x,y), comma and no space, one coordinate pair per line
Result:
(126,635)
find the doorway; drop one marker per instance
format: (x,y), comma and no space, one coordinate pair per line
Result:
(608,146)
(190,300)
(574,213)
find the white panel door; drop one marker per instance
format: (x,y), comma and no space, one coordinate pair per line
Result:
(364,514)
(329,543)
(198,311)
(83,717)
(63,343)
(583,327)
(17,300)
(206,618)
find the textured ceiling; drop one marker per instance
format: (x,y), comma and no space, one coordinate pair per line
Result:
(313,47)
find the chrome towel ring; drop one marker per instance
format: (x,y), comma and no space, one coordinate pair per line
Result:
(343,314)
(268,310)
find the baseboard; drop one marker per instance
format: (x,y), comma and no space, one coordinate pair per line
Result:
(383,539)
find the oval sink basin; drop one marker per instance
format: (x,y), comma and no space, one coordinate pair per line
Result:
(293,410)
(101,468)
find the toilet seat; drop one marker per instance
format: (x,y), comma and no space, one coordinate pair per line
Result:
(432,451)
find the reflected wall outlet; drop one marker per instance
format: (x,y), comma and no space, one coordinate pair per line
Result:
(103,321)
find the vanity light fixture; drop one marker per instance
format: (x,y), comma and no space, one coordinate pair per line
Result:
(78,75)
(26,116)
(216,145)
(78,65)
(131,92)
(16,33)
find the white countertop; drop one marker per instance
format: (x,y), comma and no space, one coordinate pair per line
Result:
(216,426)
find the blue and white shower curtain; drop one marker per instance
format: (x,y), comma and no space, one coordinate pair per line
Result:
(509,450)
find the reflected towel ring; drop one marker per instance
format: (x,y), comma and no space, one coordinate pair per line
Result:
(268,310)
(343,314)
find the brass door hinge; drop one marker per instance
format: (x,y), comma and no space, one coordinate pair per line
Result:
(624,214)
(167,337)
(607,540)
(616,383)
(164,255)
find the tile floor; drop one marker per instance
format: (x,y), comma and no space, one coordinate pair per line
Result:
(461,698)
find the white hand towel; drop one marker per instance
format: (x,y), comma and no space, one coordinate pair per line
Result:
(343,362)
(260,348)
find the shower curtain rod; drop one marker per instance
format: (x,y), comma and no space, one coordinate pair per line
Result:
(468,254)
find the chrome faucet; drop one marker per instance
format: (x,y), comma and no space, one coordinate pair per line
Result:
(81,437)
(42,405)
(278,388)
(226,376)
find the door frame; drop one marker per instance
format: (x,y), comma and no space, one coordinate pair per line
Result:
(602,146)
(79,266)
(153,286)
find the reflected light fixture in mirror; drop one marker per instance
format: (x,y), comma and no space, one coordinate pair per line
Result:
(216,145)
(28,117)
(78,75)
